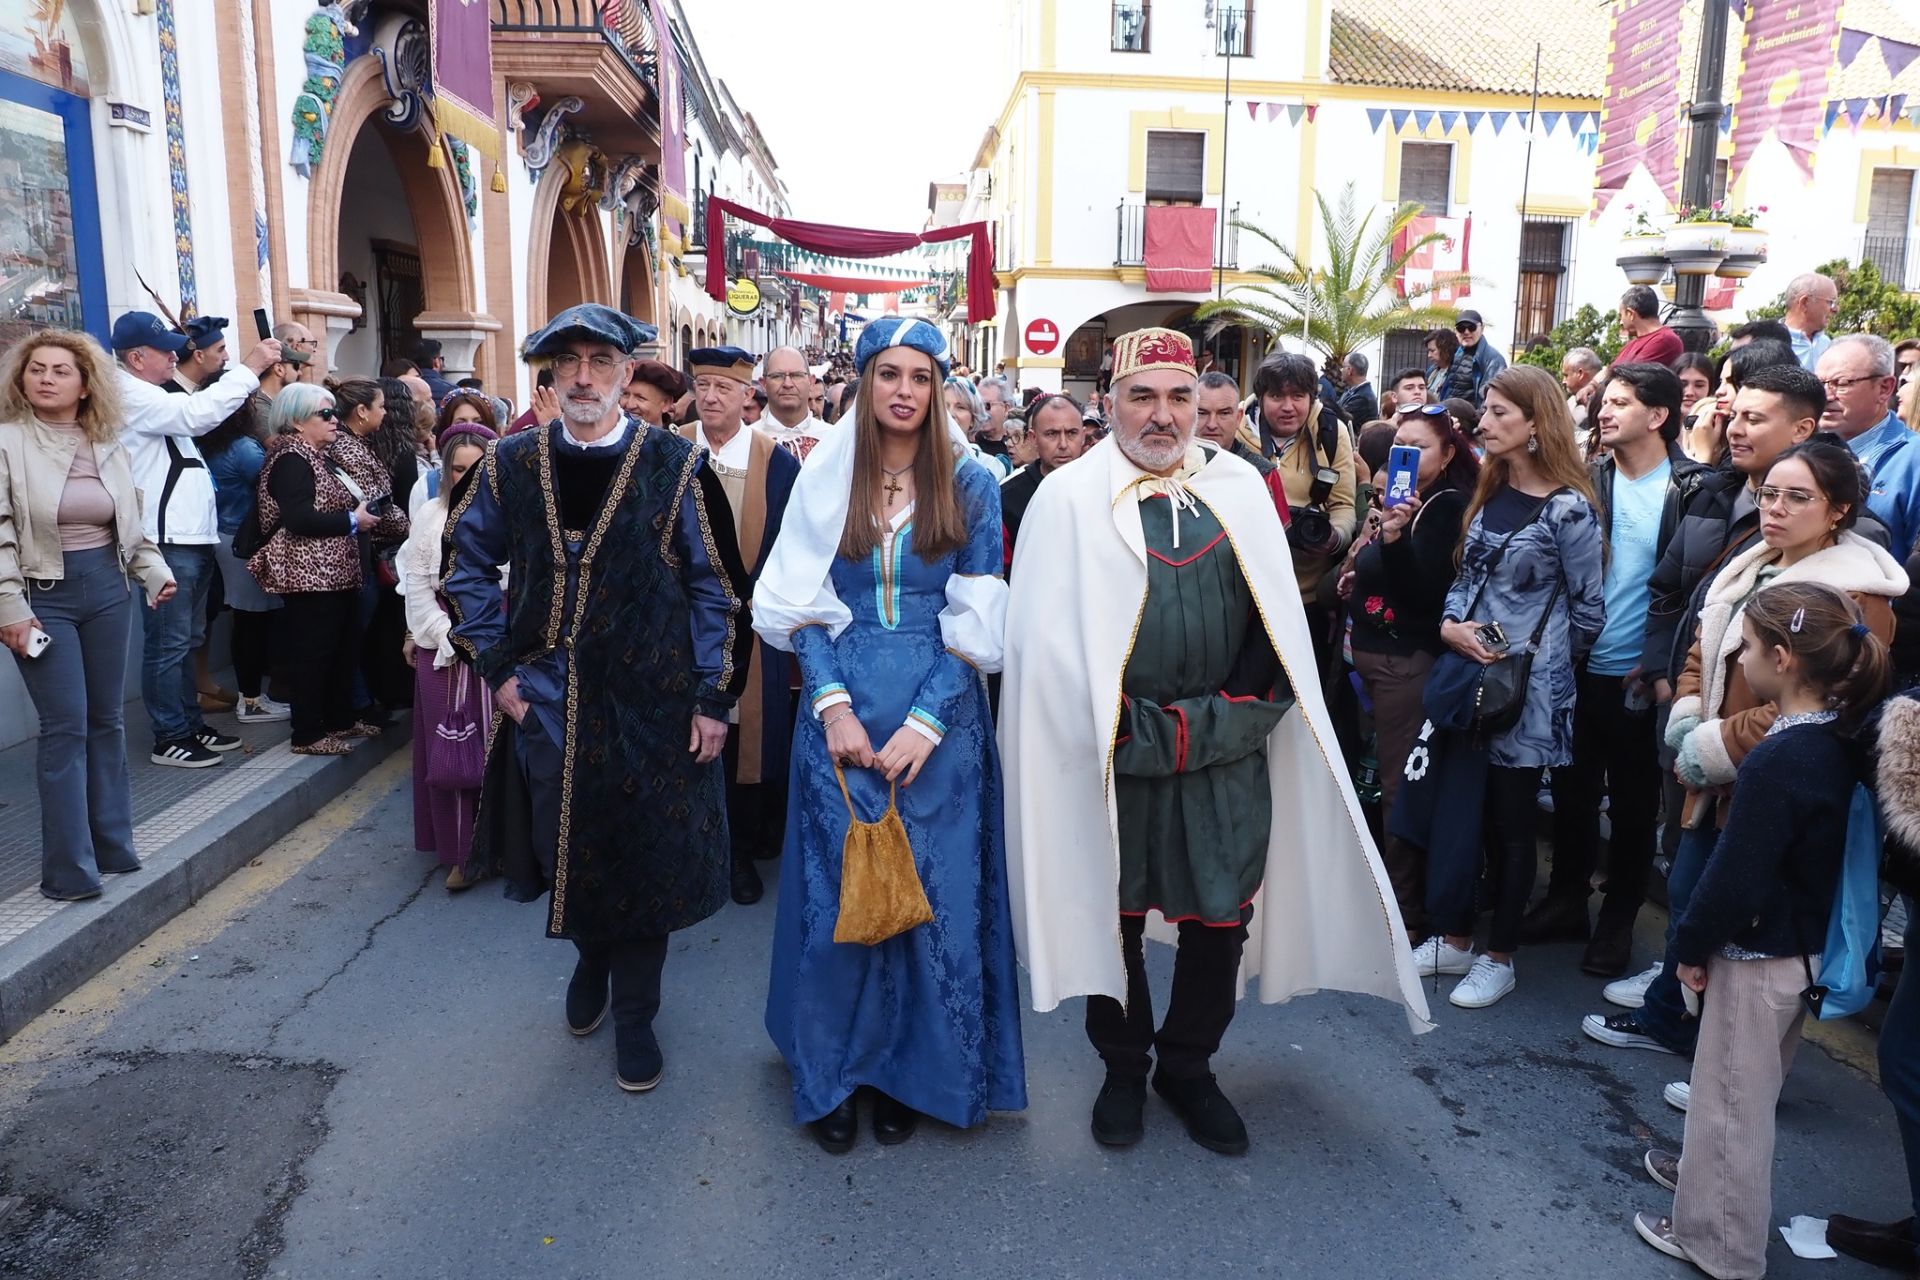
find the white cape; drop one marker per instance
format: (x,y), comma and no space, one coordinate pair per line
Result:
(1325,918)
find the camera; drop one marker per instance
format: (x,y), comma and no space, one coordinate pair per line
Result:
(1492,637)
(1311,528)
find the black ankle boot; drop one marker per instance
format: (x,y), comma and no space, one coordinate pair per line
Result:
(1119,1113)
(1211,1120)
(587,997)
(745,881)
(1555,919)
(1609,954)
(893,1120)
(638,1064)
(836,1130)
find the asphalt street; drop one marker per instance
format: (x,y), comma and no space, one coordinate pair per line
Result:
(331,1068)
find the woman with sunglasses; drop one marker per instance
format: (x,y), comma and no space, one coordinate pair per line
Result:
(311,521)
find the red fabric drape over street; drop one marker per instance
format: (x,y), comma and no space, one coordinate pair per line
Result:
(852,284)
(853,242)
(1179,244)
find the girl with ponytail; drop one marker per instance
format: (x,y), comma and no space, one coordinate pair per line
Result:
(1745,944)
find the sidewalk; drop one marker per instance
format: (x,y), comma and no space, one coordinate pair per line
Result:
(192,828)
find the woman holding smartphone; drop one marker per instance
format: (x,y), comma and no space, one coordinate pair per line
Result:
(1529,579)
(70,539)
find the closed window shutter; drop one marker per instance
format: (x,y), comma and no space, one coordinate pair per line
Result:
(1176,166)
(1426,175)
(1890,202)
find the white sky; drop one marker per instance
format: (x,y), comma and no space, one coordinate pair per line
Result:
(863,103)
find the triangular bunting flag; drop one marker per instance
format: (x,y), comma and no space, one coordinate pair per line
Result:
(1499,119)
(1423,120)
(1898,54)
(1274,109)
(1833,113)
(1399,119)
(1313,109)
(1524,119)
(1856,110)
(1548,120)
(1253,109)
(1375,115)
(1896,107)
(1448,119)
(1851,42)
(1294,112)
(1473,120)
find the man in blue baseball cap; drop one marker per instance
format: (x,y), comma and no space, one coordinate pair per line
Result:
(178,512)
(616,666)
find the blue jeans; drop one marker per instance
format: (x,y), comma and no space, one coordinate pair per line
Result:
(1900,1058)
(174,631)
(1664,1015)
(78,686)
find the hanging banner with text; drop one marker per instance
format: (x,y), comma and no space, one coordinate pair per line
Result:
(462,55)
(1786,60)
(1640,113)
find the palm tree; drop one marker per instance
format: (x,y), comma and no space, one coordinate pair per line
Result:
(1354,300)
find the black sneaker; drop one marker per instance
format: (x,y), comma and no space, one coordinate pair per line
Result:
(214,741)
(187,753)
(1119,1111)
(1211,1120)
(1622,1031)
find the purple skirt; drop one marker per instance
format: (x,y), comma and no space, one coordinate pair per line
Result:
(442,819)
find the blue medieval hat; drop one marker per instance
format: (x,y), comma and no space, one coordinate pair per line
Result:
(730,362)
(204,331)
(896,331)
(591,322)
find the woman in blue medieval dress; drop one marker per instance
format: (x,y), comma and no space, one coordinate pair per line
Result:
(885,583)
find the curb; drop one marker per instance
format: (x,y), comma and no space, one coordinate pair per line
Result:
(56,956)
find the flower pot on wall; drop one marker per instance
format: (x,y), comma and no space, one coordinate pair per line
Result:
(1746,252)
(1697,248)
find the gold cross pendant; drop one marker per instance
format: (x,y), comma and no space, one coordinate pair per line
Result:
(894,489)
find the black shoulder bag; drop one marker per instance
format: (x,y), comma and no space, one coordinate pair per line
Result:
(1500,693)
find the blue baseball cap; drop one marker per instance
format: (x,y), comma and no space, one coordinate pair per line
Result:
(145,329)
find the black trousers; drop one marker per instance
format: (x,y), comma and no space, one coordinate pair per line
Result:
(252,643)
(634,968)
(756,811)
(1513,799)
(323,643)
(1617,753)
(1206,968)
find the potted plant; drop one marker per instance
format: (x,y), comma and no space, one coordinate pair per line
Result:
(1642,250)
(1697,242)
(1746,244)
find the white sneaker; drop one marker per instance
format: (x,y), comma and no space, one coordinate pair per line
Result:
(1437,955)
(1678,1094)
(261,711)
(1631,993)
(1486,983)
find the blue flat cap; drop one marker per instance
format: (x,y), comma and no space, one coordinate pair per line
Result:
(204,331)
(589,322)
(893,331)
(145,329)
(726,362)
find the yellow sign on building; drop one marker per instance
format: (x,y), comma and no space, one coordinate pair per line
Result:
(743,297)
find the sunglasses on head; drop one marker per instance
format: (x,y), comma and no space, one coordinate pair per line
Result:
(326,415)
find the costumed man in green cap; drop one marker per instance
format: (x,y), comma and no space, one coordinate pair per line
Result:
(615,664)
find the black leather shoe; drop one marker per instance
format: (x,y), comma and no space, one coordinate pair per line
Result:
(1608,955)
(893,1121)
(1211,1120)
(1119,1113)
(587,997)
(637,1062)
(746,885)
(836,1130)
(1884,1244)
(1555,920)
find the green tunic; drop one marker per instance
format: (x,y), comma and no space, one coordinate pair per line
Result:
(1203,690)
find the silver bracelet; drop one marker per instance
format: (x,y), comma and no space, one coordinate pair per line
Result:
(828,724)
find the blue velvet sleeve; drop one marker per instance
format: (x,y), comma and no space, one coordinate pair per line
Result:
(954,675)
(711,572)
(477,538)
(819,667)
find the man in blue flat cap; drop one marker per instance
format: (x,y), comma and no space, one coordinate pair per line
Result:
(757,475)
(204,358)
(616,663)
(177,508)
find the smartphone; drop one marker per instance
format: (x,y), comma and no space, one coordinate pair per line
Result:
(1403,473)
(262,325)
(380,505)
(37,642)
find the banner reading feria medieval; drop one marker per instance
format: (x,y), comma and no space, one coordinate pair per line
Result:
(1786,60)
(1640,115)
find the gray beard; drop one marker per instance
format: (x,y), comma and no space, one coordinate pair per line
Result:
(587,413)
(1153,457)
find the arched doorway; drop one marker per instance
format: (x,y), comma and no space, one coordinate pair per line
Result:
(52,268)
(636,283)
(568,264)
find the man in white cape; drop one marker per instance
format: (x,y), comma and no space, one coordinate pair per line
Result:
(1168,752)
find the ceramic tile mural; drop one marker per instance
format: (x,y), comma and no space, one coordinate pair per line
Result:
(39,267)
(37,40)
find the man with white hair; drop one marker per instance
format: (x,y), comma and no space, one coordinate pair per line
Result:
(1578,368)
(998,396)
(789,385)
(1811,299)
(1159,708)
(1858,374)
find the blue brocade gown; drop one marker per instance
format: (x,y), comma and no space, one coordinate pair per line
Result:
(930,1017)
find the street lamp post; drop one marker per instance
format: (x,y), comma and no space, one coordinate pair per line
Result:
(1696,184)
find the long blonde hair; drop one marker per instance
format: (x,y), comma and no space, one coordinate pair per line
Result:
(939,525)
(1538,395)
(99,415)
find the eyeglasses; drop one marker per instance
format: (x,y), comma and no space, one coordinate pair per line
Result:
(1841,384)
(1796,499)
(326,415)
(565,366)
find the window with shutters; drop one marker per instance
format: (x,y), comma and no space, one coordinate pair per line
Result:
(1546,257)
(1722,171)
(1426,176)
(1889,224)
(1176,167)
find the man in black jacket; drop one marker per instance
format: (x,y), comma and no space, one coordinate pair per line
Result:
(1640,487)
